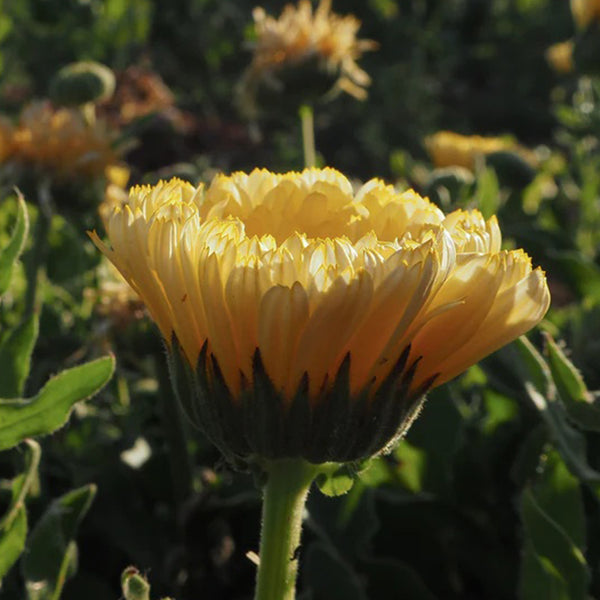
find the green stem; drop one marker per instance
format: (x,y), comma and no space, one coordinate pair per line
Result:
(36,267)
(308,135)
(283,504)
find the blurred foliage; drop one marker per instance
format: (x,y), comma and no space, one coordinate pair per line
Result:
(495,491)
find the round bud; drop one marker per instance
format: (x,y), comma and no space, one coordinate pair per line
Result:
(82,82)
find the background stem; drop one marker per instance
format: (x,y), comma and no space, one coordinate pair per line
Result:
(308,135)
(35,267)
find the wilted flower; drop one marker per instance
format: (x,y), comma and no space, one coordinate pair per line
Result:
(62,141)
(6,139)
(323,41)
(585,11)
(303,307)
(141,92)
(448,149)
(560,57)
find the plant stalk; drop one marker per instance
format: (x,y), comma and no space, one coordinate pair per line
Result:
(35,268)
(308,135)
(284,497)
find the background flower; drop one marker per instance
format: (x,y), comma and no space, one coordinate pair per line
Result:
(585,11)
(306,49)
(560,56)
(448,148)
(61,140)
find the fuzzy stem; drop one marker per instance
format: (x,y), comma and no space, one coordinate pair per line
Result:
(308,135)
(283,504)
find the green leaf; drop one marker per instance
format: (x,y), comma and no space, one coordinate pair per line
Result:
(50,408)
(572,389)
(539,577)
(553,519)
(12,541)
(9,255)
(487,192)
(15,357)
(336,481)
(569,442)
(532,367)
(52,553)
(412,462)
(134,585)
(540,388)
(13,526)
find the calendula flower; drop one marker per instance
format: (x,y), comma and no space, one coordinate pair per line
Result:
(585,11)
(448,149)
(61,140)
(319,42)
(314,309)
(560,57)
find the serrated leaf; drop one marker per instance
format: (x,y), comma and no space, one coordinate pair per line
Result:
(50,408)
(52,554)
(540,388)
(569,442)
(15,357)
(9,255)
(572,389)
(532,367)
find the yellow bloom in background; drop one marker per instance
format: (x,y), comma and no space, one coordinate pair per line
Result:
(6,139)
(115,193)
(560,57)
(585,11)
(319,278)
(301,36)
(61,140)
(114,298)
(448,148)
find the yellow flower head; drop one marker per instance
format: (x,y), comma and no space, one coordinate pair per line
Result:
(62,141)
(320,279)
(448,149)
(560,57)
(6,139)
(585,11)
(301,36)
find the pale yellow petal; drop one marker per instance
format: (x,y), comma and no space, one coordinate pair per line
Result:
(283,317)
(332,321)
